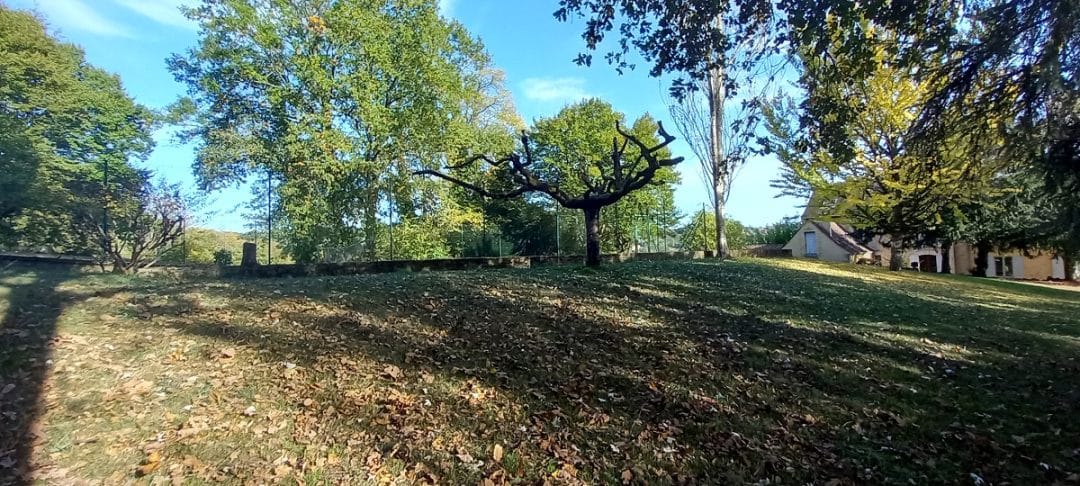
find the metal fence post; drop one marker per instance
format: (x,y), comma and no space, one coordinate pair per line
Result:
(391,224)
(558,235)
(269,216)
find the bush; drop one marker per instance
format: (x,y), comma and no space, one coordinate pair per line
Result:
(223,258)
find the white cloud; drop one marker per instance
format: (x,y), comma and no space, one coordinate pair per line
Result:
(76,15)
(161,11)
(550,90)
(446,7)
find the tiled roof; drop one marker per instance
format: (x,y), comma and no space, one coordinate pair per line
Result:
(841,237)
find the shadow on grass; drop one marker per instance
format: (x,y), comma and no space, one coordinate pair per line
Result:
(717,373)
(35,302)
(34,306)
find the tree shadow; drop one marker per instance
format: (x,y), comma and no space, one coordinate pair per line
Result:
(717,373)
(727,385)
(35,301)
(34,306)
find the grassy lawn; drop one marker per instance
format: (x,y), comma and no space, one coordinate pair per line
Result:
(783,372)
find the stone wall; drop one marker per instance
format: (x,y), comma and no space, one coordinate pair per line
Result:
(355,268)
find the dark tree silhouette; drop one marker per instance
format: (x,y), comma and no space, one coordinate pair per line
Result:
(618,178)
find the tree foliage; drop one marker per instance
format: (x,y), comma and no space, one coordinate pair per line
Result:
(340,101)
(62,122)
(882,182)
(581,159)
(699,233)
(679,37)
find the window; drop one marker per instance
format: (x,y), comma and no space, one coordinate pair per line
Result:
(1003,266)
(811,243)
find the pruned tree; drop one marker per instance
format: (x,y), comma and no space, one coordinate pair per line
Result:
(136,224)
(631,165)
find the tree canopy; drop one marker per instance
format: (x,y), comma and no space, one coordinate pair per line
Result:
(63,122)
(582,159)
(339,102)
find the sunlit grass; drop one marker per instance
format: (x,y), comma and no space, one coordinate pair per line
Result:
(785,370)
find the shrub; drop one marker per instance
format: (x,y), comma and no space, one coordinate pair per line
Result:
(223,258)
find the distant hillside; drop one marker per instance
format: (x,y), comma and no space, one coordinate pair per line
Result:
(199,245)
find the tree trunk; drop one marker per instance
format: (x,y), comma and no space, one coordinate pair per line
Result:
(592,237)
(721,227)
(124,267)
(946,256)
(717,98)
(1070,267)
(982,258)
(896,259)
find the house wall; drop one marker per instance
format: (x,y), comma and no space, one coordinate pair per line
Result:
(827,250)
(1039,266)
(885,253)
(913,256)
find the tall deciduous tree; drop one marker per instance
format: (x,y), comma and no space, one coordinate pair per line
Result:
(582,159)
(340,100)
(721,145)
(63,122)
(882,182)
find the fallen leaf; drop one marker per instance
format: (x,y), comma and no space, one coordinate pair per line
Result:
(149,465)
(227,353)
(627,476)
(249,411)
(282,470)
(392,371)
(497,454)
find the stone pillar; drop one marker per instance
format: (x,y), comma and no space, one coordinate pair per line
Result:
(251,256)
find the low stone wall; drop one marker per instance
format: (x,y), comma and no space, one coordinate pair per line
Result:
(547,260)
(672,255)
(763,251)
(449,264)
(354,268)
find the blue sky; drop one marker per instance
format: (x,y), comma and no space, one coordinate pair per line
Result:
(133,37)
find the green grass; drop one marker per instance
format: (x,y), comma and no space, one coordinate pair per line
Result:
(739,372)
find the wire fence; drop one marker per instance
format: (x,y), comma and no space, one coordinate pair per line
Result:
(544,232)
(557,233)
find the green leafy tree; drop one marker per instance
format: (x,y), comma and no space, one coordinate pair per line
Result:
(888,185)
(581,158)
(63,123)
(1059,166)
(778,233)
(699,233)
(340,101)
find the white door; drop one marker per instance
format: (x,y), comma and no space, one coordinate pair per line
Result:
(811,243)
(1058,270)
